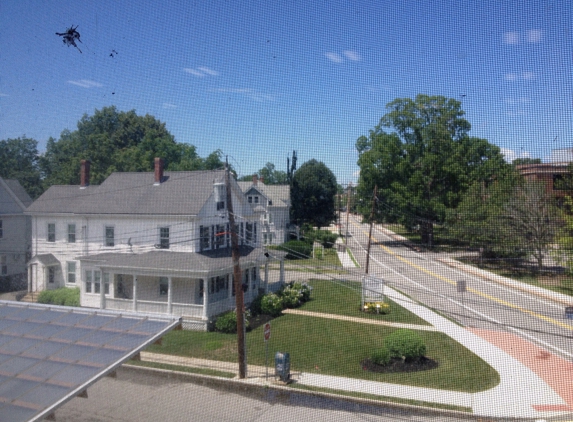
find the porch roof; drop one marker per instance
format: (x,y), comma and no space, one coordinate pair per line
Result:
(180,263)
(47,260)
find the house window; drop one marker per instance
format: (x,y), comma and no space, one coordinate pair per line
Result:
(71,272)
(106,283)
(4,264)
(242,234)
(249,233)
(51,232)
(97,281)
(254,277)
(163,286)
(164,237)
(212,285)
(204,238)
(71,233)
(88,281)
(250,199)
(1,230)
(51,274)
(220,236)
(109,236)
(220,205)
(256,198)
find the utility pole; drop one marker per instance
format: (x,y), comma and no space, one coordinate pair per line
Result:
(370,234)
(239,302)
(348,188)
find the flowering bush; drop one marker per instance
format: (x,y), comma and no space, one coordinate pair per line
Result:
(271,304)
(376,307)
(291,297)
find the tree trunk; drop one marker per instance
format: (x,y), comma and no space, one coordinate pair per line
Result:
(427,233)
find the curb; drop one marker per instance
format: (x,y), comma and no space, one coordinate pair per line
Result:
(285,394)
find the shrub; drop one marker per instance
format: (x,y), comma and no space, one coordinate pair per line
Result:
(291,298)
(255,306)
(376,308)
(303,288)
(405,344)
(227,322)
(327,238)
(271,304)
(296,249)
(381,356)
(63,296)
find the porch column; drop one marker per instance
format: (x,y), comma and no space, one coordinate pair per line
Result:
(282,272)
(205,297)
(169,295)
(135,293)
(266,277)
(102,292)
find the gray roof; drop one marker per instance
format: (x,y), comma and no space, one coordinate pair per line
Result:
(180,193)
(47,260)
(19,191)
(183,263)
(50,353)
(278,194)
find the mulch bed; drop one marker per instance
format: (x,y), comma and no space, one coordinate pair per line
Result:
(399,365)
(259,320)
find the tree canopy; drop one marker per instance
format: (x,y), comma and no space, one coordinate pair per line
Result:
(19,160)
(118,141)
(424,164)
(270,175)
(313,193)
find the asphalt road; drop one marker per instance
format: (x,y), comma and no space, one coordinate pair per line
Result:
(141,396)
(485,304)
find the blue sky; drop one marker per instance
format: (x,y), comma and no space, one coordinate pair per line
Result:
(258,79)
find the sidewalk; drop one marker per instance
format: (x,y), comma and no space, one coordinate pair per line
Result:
(521,393)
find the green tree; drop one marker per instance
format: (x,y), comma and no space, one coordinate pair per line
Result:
(425,165)
(19,160)
(313,193)
(520,161)
(118,141)
(272,176)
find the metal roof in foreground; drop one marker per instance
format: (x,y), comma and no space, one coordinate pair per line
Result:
(50,354)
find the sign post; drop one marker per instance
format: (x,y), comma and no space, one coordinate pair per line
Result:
(267,334)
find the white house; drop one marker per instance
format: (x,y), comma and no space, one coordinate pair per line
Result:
(15,234)
(273,204)
(154,242)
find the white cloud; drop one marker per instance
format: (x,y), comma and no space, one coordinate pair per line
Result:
(208,71)
(251,93)
(528,75)
(334,57)
(169,105)
(201,71)
(511,155)
(560,155)
(534,35)
(511,38)
(3,95)
(194,72)
(510,76)
(352,55)
(85,83)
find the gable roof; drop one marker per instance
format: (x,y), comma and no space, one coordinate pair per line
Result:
(278,194)
(19,191)
(180,193)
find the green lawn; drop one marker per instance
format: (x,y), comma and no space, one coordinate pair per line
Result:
(330,259)
(343,298)
(335,347)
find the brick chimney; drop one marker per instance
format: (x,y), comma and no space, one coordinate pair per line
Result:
(158,171)
(255,179)
(84,174)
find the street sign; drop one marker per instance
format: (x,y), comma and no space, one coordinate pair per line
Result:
(267,331)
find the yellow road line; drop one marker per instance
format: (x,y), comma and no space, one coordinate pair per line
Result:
(477,292)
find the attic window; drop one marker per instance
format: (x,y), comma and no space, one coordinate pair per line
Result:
(270,202)
(220,205)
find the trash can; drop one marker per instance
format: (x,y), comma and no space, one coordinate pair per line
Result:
(282,366)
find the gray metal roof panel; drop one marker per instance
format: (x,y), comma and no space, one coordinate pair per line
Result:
(40,373)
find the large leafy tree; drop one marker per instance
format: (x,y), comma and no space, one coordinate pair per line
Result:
(118,141)
(424,164)
(19,160)
(313,193)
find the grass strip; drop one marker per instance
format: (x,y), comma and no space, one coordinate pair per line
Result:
(179,368)
(352,258)
(382,398)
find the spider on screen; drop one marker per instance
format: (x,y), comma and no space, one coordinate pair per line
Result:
(70,36)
